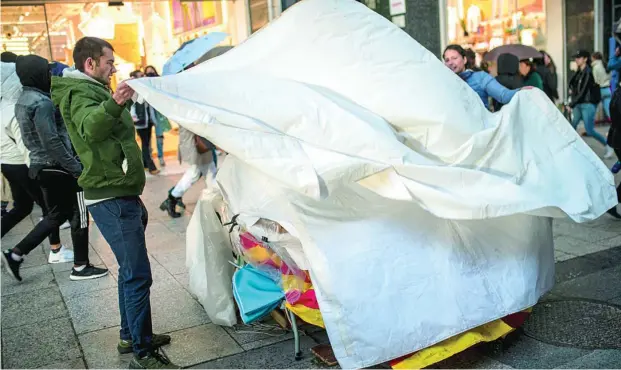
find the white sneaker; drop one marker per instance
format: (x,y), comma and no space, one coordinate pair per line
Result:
(609,152)
(66,225)
(63,255)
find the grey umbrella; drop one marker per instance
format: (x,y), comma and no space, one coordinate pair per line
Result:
(521,51)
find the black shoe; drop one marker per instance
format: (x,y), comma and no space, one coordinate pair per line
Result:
(158,340)
(89,272)
(171,206)
(154,360)
(12,266)
(613,212)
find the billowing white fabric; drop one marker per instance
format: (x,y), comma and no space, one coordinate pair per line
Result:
(421,214)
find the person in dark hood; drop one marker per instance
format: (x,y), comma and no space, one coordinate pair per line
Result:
(8,57)
(54,167)
(508,68)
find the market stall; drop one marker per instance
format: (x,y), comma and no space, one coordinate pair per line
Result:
(379,178)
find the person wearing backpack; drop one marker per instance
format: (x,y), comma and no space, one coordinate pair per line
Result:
(584,96)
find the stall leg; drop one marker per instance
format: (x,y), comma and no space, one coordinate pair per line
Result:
(296,335)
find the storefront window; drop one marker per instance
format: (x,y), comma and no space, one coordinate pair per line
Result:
(24,30)
(259,14)
(485,24)
(141,32)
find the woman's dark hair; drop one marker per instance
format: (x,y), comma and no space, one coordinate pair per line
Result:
(531,65)
(456,48)
(151,67)
(135,73)
(552,65)
(597,56)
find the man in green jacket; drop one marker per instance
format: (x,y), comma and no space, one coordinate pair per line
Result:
(103,134)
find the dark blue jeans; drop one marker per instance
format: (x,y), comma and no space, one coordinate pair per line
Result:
(122,222)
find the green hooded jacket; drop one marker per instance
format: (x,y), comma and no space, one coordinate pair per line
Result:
(103,135)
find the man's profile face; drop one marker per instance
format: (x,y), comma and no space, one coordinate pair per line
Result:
(103,69)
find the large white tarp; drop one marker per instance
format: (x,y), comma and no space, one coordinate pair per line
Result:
(420,214)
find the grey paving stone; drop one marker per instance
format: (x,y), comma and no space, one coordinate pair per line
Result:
(580,231)
(200,344)
(70,288)
(602,285)
(95,310)
(560,256)
(523,352)
(35,345)
(183,280)
(162,279)
(42,305)
(33,278)
(578,267)
(256,336)
(576,247)
(616,301)
(174,310)
(276,356)
(600,359)
(77,363)
(100,352)
(173,261)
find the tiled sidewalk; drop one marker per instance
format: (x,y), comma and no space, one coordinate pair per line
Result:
(50,321)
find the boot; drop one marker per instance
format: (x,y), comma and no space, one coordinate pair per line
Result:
(170,206)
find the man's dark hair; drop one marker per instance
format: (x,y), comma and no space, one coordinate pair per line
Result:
(89,47)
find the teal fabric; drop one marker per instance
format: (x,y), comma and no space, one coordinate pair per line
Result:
(256,293)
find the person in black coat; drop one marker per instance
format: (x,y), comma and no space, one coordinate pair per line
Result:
(614,138)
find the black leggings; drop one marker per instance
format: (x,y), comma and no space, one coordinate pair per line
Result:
(26,192)
(65,200)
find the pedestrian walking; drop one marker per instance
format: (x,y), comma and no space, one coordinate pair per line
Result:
(54,167)
(14,159)
(103,134)
(160,122)
(584,97)
(142,115)
(455,58)
(602,78)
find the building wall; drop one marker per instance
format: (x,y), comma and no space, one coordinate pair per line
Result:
(422,22)
(555,35)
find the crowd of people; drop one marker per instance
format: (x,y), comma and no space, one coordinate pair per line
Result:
(69,145)
(74,153)
(589,86)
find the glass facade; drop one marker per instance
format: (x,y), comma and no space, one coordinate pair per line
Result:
(141,32)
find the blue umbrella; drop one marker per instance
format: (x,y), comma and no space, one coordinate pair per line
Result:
(192,50)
